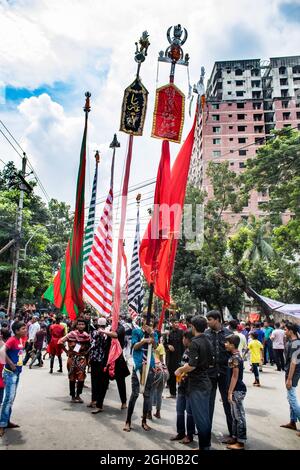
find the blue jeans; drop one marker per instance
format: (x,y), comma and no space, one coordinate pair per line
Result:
(199,401)
(11,380)
(294,404)
(1,395)
(182,406)
(239,429)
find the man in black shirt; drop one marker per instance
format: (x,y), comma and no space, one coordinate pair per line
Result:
(217,335)
(199,385)
(174,349)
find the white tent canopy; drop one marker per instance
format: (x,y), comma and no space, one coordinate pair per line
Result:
(280,307)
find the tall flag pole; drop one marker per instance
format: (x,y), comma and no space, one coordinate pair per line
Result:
(98,275)
(90,226)
(135,283)
(66,290)
(132,122)
(168,120)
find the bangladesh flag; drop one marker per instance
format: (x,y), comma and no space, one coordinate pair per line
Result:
(66,290)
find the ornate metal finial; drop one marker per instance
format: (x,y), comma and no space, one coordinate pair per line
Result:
(138,198)
(115,143)
(97,156)
(142,48)
(87,106)
(199,87)
(174,53)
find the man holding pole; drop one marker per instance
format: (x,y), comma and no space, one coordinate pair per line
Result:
(141,339)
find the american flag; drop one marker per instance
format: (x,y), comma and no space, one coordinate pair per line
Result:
(135,285)
(98,276)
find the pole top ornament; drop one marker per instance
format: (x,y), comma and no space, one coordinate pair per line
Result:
(87,106)
(97,156)
(142,48)
(115,143)
(174,53)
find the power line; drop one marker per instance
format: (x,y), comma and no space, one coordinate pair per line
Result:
(21,156)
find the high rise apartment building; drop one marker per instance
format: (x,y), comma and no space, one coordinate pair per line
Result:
(245,100)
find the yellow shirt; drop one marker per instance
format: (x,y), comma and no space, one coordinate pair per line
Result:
(159,351)
(255,348)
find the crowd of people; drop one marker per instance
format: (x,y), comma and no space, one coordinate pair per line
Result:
(193,357)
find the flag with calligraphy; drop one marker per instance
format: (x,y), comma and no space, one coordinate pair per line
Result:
(168,118)
(134,108)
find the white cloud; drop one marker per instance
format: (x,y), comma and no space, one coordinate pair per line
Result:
(90,45)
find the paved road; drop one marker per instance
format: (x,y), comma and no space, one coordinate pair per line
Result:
(49,421)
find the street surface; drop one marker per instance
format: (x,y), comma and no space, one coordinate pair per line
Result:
(49,421)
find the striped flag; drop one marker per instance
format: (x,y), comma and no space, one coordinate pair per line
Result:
(98,276)
(90,226)
(135,285)
(126,271)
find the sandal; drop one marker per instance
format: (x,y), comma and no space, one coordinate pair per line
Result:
(145,426)
(186,440)
(96,411)
(127,427)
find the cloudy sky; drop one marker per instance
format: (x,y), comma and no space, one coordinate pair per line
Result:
(52,51)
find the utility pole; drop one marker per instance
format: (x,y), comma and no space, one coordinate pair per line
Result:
(12,301)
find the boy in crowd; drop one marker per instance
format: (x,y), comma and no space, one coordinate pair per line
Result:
(183,408)
(14,352)
(236,393)
(256,356)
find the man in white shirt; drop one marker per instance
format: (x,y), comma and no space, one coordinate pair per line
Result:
(32,330)
(277,338)
(243,342)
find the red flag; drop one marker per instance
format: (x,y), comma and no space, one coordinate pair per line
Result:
(157,231)
(165,258)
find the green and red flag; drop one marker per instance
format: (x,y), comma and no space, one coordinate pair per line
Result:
(66,290)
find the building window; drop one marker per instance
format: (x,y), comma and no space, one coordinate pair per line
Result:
(282,70)
(242,153)
(241,116)
(241,128)
(216,117)
(256,95)
(285,104)
(238,72)
(229,83)
(298,115)
(231,151)
(296,69)
(242,165)
(216,141)
(242,140)
(298,127)
(216,153)
(284,93)
(286,125)
(239,82)
(257,117)
(229,93)
(217,130)
(286,116)
(258,129)
(230,127)
(255,83)
(215,106)
(255,72)
(256,105)
(230,115)
(231,139)
(229,104)
(283,81)
(228,70)
(231,163)
(240,105)
(258,140)
(239,93)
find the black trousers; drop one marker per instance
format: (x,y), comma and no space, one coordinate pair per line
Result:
(135,383)
(172,381)
(220,382)
(279,358)
(121,384)
(73,391)
(28,349)
(100,382)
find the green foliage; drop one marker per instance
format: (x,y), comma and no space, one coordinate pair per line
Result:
(45,233)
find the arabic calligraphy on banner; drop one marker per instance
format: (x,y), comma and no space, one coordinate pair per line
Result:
(168,118)
(134,108)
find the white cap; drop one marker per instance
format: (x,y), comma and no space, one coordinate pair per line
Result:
(102,321)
